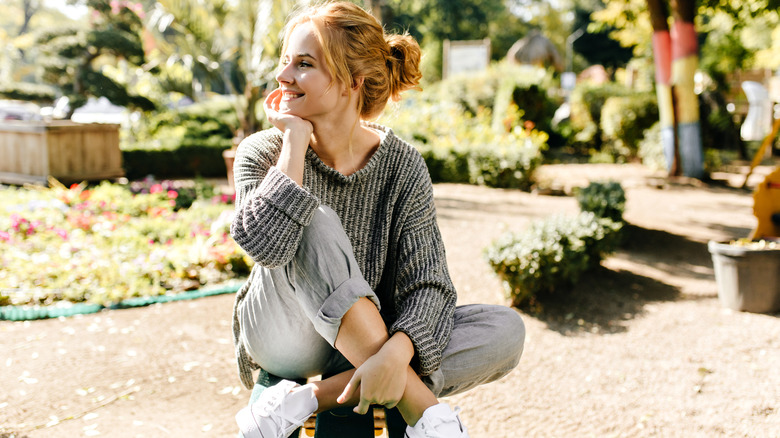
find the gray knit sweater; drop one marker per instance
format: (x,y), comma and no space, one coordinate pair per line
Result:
(388,214)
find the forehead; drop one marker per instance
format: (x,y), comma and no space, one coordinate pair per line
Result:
(303,40)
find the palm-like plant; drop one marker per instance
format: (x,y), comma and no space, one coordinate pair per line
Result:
(228,46)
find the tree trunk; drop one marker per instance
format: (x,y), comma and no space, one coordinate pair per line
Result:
(685,61)
(676,60)
(662,52)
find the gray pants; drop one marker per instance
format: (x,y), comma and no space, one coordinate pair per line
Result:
(289,324)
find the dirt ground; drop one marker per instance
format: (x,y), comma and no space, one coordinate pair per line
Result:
(641,348)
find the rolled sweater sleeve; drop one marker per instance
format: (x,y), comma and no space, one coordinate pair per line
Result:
(425,298)
(271,209)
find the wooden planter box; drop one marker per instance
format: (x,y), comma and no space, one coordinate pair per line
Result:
(70,152)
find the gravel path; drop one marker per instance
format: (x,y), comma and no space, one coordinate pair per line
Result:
(641,348)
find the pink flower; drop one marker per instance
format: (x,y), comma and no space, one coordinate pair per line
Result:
(62,233)
(173,194)
(5,235)
(157,188)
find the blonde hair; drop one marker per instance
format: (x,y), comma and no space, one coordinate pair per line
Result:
(356,47)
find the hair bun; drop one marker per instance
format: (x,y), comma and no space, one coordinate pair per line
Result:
(403,63)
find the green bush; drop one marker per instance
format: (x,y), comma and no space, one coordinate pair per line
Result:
(464,148)
(604,199)
(586,103)
(624,120)
(184,162)
(182,142)
(651,148)
(551,254)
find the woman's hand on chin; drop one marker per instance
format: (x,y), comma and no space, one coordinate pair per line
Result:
(285,122)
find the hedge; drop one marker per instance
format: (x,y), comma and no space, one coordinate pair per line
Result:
(551,255)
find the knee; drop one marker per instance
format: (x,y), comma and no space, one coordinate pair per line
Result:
(512,331)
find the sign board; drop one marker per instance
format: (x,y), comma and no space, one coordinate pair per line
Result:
(465,56)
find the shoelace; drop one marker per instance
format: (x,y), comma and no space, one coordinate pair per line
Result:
(277,418)
(432,432)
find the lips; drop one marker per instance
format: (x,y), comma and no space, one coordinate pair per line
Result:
(290,95)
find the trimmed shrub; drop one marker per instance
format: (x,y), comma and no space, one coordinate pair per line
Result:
(183,162)
(462,148)
(604,199)
(586,103)
(651,148)
(624,120)
(551,254)
(183,142)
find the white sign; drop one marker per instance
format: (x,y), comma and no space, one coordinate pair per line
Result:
(465,56)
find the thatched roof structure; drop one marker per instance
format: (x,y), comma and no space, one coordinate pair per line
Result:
(535,49)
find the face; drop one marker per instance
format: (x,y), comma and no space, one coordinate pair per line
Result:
(304,78)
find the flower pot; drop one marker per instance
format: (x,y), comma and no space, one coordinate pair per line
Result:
(230,155)
(748,278)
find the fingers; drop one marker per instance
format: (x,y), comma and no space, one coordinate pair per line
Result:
(271,102)
(362,407)
(349,390)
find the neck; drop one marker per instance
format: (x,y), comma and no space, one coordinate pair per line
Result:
(346,147)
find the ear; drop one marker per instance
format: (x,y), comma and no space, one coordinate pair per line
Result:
(357,82)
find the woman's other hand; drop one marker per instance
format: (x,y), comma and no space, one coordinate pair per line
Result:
(382,378)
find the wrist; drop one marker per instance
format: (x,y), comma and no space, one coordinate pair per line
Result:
(399,347)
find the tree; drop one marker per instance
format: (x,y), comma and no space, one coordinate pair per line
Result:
(433,21)
(733,35)
(228,46)
(596,45)
(71,59)
(675,50)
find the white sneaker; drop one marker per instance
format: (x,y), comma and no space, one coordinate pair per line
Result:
(438,421)
(278,412)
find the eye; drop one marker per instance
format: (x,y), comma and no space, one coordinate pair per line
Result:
(305,64)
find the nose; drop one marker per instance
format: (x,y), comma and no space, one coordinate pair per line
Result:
(283,75)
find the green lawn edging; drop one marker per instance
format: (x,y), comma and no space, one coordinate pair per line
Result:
(27,313)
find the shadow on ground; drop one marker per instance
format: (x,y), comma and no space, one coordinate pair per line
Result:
(604,299)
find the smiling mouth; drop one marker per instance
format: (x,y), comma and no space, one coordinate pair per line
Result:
(289,95)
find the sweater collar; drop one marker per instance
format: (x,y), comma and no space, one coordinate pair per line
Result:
(386,137)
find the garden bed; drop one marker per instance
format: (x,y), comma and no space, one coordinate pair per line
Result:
(107,243)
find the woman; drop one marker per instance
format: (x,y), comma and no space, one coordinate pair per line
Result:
(351,278)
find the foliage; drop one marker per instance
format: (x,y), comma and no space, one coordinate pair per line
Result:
(433,21)
(624,120)
(500,88)
(109,242)
(630,21)
(28,92)
(587,102)
(460,147)
(596,45)
(604,199)
(180,142)
(551,255)
(735,35)
(230,47)
(210,123)
(651,149)
(71,58)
